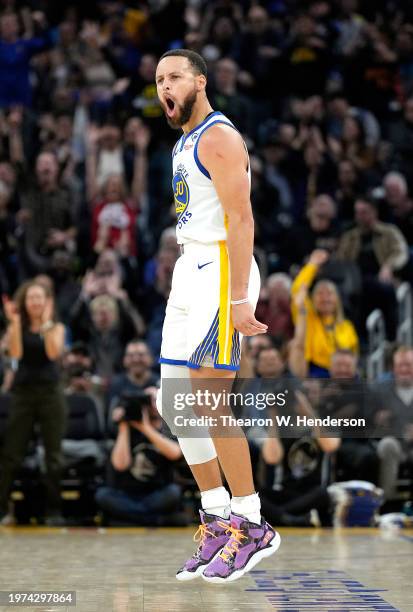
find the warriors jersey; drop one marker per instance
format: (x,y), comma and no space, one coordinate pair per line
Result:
(200,215)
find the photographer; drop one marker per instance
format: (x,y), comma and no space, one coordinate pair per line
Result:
(140,488)
(35,339)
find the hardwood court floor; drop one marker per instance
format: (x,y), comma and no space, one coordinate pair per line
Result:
(132,570)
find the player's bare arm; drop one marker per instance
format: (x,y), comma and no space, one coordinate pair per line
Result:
(222,152)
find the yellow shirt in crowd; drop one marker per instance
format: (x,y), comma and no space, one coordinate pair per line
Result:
(323,334)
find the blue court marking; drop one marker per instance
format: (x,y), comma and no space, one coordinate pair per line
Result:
(320,591)
(408,538)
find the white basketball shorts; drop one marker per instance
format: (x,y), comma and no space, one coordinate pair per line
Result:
(198,328)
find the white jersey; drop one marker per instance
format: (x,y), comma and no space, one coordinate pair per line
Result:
(200,214)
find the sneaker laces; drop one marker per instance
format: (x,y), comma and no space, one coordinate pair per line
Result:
(201,534)
(232,546)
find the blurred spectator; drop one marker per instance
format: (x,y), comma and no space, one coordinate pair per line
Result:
(15,54)
(227,99)
(113,213)
(401,138)
(79,376)
(105,320)
(46,214)
(8,244)
(66,287)
(306,57)
(35,340)
(137,362)
(274,306)
(346,396)
(394,413)
(293,481)
(353,144)
(380,250)
(399,205)
(140,485)
(324,328)
(349,185)
(321,231)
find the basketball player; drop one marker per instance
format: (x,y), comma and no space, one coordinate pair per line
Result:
(214,291)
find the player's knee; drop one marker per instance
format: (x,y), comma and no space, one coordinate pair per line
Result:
(197,450)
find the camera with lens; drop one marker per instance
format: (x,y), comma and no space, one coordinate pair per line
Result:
(133,403)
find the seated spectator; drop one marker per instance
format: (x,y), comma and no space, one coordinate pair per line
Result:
(399,204)
(293,482)
(323,328)
(345,396)
(349,185)
(394,414)
(321,231)
(79,376)
(401,137)
(273,307)
(138,375)
(140,488)
(227,99)
(380,250)
(353,144)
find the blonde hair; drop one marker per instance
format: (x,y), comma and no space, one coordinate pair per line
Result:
(339,313)
(105,301)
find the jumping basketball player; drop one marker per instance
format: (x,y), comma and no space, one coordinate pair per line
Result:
(214,292)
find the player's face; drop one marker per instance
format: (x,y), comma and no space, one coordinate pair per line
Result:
(178,88)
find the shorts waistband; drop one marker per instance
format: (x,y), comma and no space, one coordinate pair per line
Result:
(193,246)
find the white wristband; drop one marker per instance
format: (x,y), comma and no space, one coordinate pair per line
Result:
(236,302)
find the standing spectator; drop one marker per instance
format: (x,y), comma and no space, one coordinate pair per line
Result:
(35,339)
(15,54)
(380,250)
(47,212)
(113,212)
(325,327)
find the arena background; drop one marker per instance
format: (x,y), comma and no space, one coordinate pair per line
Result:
(322,92)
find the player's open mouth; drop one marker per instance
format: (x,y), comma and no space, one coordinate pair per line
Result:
(170,106)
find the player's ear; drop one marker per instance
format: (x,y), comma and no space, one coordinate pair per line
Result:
(200,82)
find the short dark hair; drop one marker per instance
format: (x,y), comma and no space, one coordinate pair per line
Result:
(368,199)
(197,62)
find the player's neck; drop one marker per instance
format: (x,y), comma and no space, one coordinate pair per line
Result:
(198,115)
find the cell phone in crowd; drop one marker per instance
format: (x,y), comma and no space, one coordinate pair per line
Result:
(133,403)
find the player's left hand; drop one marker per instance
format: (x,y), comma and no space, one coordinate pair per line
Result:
(244,321)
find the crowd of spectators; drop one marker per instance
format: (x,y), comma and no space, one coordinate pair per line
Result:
(321,90)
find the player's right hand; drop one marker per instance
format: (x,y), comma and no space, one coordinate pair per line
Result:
(244,321)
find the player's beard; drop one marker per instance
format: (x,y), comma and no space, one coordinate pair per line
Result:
(184,111)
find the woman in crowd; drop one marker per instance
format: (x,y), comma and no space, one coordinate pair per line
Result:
(36,341)
(325,327)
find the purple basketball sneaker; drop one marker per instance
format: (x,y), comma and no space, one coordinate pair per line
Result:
(248,544)
(212,535)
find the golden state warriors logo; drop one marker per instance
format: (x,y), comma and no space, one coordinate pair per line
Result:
(181,193)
